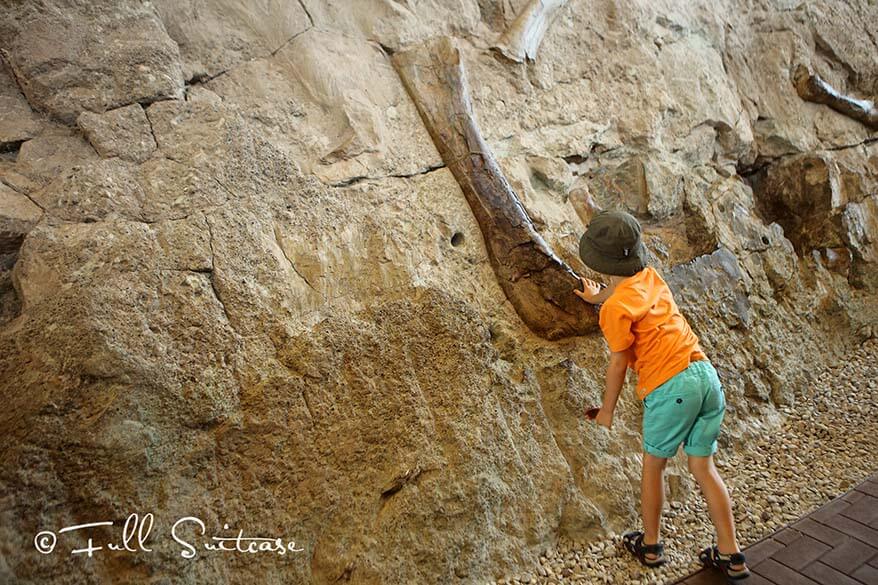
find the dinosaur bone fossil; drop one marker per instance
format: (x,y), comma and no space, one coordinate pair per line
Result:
(583,204)
(537,283)
(812,88)
(523,37)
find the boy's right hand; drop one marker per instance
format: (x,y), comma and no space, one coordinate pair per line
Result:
(601,416)
(590,291)
(604,418)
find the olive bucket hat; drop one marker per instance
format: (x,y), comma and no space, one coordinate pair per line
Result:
(611,244)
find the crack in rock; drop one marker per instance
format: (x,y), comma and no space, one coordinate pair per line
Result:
(750,170)
(361,178)
(20,192)
(286,42)
(292,265)
(307,12)
(212,276)
(4,56)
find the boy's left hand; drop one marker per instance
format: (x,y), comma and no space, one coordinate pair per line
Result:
(590,290)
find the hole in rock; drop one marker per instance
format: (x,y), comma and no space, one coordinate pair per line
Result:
(457,239)
(11,147)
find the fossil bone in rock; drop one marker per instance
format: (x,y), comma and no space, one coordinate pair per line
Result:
(538,284)
(583,204)
(523,37)
(812,88)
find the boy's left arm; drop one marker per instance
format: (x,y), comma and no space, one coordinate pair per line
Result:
(615,379)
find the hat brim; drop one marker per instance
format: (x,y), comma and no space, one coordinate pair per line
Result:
(605,265)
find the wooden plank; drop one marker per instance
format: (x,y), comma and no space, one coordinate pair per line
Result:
(774,571)
(801,552)
(826,575)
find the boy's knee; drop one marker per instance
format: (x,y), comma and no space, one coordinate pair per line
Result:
(698,465)
(654,462)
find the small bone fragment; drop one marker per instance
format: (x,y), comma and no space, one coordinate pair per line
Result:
(583,204)
(812,88)
(523,37)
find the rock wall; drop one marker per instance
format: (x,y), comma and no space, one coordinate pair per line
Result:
(238,283)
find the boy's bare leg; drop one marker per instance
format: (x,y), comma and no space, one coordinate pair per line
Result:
(718,503)
(652,497)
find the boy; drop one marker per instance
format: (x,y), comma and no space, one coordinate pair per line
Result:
(683,401)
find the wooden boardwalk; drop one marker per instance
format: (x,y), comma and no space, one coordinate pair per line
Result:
(835,545)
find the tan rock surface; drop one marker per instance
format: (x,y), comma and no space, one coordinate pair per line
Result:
(71,56)
(19,123)
(284,317)
(215,36)
(19,214)
(124,132)
(395,24)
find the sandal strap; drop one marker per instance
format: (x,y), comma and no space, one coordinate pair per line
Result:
(737,558)
(723,562)
(633,539)
(634,543)
(650,549)
(653,549)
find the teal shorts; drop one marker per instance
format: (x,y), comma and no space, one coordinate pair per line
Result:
(686,409)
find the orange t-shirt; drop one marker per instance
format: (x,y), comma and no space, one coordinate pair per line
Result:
(642,319)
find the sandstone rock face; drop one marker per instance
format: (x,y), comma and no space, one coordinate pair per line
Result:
(394,24)
(72,55)
(215,36)
(18,215)
(238,283)
(125,133)
(826,201)
(18,123)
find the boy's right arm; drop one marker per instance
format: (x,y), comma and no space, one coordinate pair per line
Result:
(615,379)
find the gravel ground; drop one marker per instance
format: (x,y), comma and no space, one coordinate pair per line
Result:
(826,445)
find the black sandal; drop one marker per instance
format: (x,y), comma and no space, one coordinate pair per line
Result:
(633,541)
(712,558)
